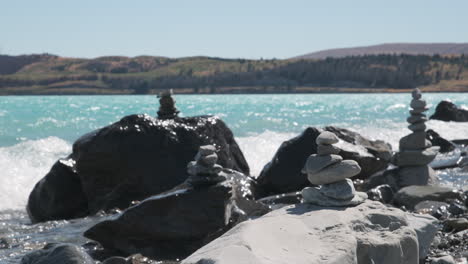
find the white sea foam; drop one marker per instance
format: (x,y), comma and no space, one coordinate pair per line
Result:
(23,165)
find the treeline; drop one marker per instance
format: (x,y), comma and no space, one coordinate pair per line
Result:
(373,71)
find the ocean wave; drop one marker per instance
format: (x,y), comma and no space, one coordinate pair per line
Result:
(23,165)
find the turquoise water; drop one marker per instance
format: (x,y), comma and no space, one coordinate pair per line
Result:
(68,117)
(37,130)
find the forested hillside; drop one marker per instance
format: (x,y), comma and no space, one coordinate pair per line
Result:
(48,74)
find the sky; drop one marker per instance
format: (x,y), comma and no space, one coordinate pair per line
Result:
(250,29)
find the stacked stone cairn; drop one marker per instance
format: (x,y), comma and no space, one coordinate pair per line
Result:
(415,152)
(331,173)
(167,109)
(204,170)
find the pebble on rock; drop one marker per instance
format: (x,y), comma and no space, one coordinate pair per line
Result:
(327,150)
(326,138)
(316,163)
(336,172)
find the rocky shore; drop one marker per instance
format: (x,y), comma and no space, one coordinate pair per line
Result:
(179,190)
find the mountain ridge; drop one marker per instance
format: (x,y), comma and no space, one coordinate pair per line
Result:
(391,48)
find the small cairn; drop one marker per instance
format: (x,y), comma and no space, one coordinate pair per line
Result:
(416,152)
(167,109)
(330,172)
(204,170)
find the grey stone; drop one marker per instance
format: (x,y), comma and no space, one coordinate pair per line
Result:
(416,119)
(418,104)
(417,127)
(197,169)
(327,150)
(207,150)
(444,260)
(208,160)
(316,163)
(302,234)
(415,141)
(115,260)
(342,190)
(326,138)
(426,229)
(336,172)
(58,253)
(416,93)
(410,196)
(415,157)
(418,111)
(416,175)
(314,195)
(456,224)
(429,207)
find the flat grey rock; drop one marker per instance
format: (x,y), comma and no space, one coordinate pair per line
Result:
(418,111)
(416,175)
(416,93)
(444,260)
(313,195)
(415,141)
(410,196)
(327,150)
(326,138)
(342,190)
(415,157)
(304,233)
(417,127)
(416,119)
(316,163)
(208,160)
(418,104)
(335,173)
(207,150)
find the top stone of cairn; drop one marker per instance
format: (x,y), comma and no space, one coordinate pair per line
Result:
(326,138)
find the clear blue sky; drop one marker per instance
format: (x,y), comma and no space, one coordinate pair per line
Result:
(232,29)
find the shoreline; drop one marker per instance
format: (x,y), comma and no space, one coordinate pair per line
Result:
(226,91)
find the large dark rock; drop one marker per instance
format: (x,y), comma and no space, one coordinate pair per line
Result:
(448,111)
(283,173)
(174,224)
(58,195)
(132,159)
(58,253)
(437,140)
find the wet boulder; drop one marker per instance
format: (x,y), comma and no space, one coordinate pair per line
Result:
(437,140)
(174,224)
(129,160)
(410,196)
(284,174)
(448,111)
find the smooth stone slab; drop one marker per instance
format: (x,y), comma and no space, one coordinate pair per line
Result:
(335,173)
(418,111)
(208,160)
(327,150)
(207,150)
(342,190)
(416,118)
(326,138)
(418,104)
(415,141)
(416,93)
(417,127)
(315,162)
(313,195)
(415,157)
(417,175)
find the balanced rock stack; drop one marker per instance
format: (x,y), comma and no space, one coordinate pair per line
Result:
(416,152)
(204,169)
(167,109)
(331,173)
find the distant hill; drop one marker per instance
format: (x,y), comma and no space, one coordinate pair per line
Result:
(50,74)
(392,48)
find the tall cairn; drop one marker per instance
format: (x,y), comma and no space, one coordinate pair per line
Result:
(331,174)
(415,152)
(204,170)
(167,109)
